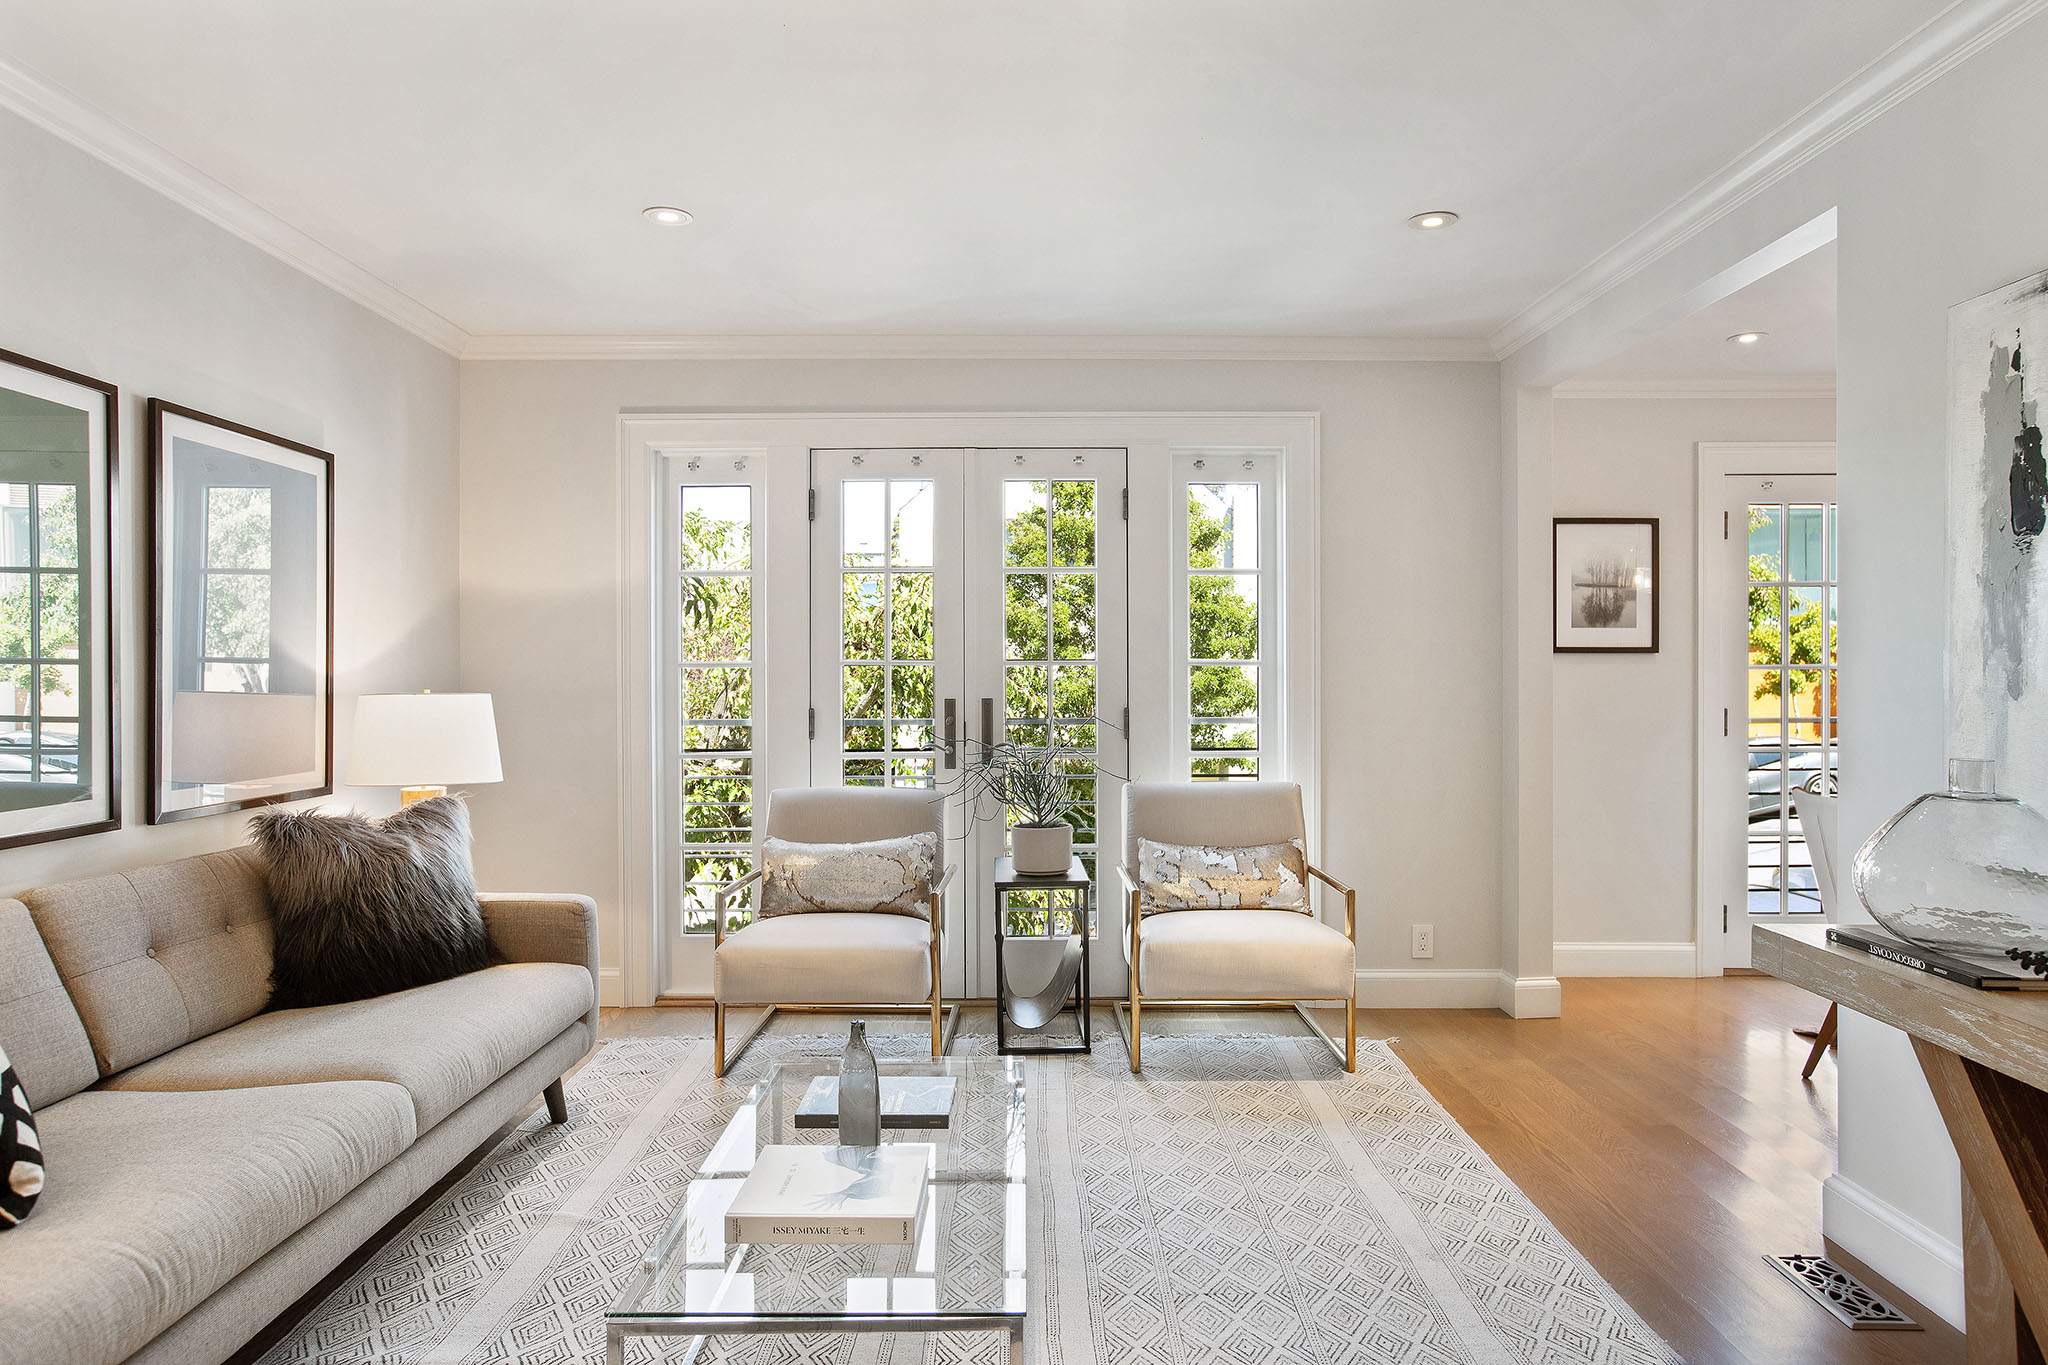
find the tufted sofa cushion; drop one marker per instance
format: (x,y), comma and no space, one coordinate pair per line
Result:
(39,1027)
(157,957)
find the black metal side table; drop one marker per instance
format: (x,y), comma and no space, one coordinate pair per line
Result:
(1068,987)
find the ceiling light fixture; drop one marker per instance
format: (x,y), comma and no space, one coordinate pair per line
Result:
(1434,219)
(666,216)
(1748,338)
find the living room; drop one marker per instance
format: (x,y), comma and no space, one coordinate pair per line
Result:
(721,428)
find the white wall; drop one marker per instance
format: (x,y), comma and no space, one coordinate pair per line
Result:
(1624,762)
(1411,629)
(101,275)
(1935,206)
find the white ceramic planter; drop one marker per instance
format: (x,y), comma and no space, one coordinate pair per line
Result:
(1042,851)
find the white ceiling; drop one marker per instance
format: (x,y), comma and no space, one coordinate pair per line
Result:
(1794,305)
(932,166)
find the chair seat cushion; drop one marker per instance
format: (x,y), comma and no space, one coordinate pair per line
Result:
(826,959)
(443,1042)
(157,1200)
(1242,955)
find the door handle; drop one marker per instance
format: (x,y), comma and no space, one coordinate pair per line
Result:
(952,733)
(988,726)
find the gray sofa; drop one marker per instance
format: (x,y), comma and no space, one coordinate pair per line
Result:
(209,1163)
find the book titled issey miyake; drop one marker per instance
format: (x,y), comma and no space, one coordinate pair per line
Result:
(834,1195)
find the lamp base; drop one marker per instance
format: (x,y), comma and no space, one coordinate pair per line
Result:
(408,795)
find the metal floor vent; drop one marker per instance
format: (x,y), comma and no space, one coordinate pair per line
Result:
(1842,1294)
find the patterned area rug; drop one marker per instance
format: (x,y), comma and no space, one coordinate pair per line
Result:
(1245,1201)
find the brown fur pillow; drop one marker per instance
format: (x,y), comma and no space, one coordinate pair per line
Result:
(365,907)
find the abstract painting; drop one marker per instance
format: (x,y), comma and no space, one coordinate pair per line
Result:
(1604,596)
(1997,512)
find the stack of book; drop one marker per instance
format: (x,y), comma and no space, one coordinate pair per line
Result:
(832,1195)
(1983,973)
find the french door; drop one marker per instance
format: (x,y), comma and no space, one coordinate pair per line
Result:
(961,599)
(1771,604)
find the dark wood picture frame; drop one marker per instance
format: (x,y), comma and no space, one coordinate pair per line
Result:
(162,573)
(103,597)
(1559,592)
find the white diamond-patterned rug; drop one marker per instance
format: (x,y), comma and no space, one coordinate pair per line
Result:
(1245,1201)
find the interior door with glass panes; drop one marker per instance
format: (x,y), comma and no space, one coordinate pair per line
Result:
(961,599)
(1773,614)
(887,634)
(1047,666)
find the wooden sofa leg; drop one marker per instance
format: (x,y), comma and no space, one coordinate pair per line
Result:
(717,1040)
(558,1103)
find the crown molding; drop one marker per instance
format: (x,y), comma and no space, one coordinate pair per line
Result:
(56,110)
(976,347)
(1721,386)
(1941,44)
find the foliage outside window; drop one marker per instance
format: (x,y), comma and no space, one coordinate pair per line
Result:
(1225,660)
(715,651)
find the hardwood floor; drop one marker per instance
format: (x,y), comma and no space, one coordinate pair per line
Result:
(1661,1125)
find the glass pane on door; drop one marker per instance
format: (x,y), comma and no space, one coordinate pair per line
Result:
(887,649)
(1791,691)
(1049,536)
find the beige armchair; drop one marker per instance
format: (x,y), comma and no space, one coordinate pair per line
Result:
(1231,959)
(865,963)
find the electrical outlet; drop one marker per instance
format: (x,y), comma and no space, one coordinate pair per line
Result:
(1422,940)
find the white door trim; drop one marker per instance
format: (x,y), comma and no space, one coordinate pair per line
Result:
(785,439)
(1718,460)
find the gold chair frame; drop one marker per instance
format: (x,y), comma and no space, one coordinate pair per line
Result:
(1347,1054)
(945,1018)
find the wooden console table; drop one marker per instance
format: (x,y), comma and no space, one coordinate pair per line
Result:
(1986,1058)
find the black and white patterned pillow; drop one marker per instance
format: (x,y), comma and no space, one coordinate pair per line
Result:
(21,1156)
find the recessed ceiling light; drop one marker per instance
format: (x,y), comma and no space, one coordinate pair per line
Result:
(1748,338)
(666,216)
(1434,219)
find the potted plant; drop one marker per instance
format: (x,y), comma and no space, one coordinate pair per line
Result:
(1037,783)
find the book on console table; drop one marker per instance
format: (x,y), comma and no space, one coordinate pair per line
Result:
(907,1102)
(832,1195)
(1985,974)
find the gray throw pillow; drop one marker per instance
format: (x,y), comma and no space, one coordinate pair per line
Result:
(1203,877)
(890,876)
(365,907)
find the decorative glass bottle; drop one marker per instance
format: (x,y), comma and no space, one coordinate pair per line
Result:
(1965,869)
(860,1092)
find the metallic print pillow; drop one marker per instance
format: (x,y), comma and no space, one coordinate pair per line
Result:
(889,876)
(1263,877)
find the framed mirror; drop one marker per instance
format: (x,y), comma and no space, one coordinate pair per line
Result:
(242,566)
(60,745)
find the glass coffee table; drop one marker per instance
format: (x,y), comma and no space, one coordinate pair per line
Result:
(967,1273)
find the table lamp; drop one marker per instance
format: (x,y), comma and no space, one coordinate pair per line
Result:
(424,743)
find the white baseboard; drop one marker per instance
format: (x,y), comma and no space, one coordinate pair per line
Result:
(1904,1250)
(1528,997)
(611,987)
(1624,959)
(1427,990)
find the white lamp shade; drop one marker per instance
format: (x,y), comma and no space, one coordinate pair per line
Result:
(424,739)
(224,737)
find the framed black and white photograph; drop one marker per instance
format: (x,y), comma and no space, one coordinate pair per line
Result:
(60,743)
(1604,585)
(242,586)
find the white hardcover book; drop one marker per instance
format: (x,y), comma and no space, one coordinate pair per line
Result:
(835,1195)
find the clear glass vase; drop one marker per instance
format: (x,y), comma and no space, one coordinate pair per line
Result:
(1965,869)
